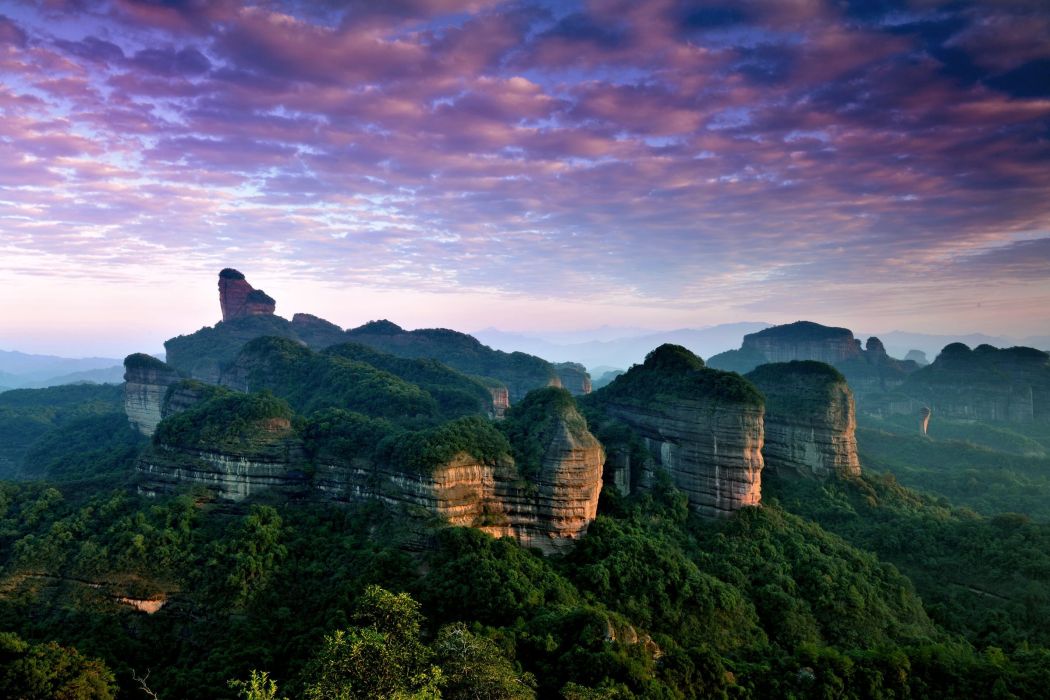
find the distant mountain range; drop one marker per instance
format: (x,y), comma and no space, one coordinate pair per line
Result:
(19,370)
(608,347)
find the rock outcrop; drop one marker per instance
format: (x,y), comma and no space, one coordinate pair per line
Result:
(317,332)
(238,299)
(803,340)
(548,510)
(810,423)
(869,369)
(147,380)
(986,384)
(574,377)
(703,426)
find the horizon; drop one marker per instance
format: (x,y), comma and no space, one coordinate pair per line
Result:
(531,166)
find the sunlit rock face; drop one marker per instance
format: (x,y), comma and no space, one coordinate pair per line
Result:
(712,450)
(810,423)
(548,510)
(500,400)
(703,426)
(238,299)
(146,384)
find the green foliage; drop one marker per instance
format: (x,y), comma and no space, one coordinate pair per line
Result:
(51,672)
(228,421)
(798,389)
(251,557)
(456,393)
(985,579)
(474,667)
(27,415)
(312,381)
(423,450)
(740,361)
(381,657)
(337,436)
(207,351)
(672,372)
(93,447)
(140,360)
(518,371)
(802,331)
(532,425)
(259,686)
(990,468)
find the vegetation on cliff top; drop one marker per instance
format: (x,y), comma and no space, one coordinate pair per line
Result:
(532,425)
(801,331)
(520,371)
(798,388)
(227,421)
(673,372)
(141,360)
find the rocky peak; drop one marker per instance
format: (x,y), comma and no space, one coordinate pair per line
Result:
(238,299)
(146,384)
(810,423)
(703,426)
(803,340)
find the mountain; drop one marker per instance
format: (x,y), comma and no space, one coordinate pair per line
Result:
(24,370)
(622,352)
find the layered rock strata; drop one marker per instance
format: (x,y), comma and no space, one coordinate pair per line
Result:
(810,420)
(704,427)
(574,377)
(803,340)
(548,511)
(238,299)
(987,384)
(147,380)
(273,461)
(712,451)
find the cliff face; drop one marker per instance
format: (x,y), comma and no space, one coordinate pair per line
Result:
(712,450)
(549,511)
(810,423)
(803,340)
(239,299)
(500,400)
(146,384)
(574,377)
(701,425)
(272,461)
(986,383)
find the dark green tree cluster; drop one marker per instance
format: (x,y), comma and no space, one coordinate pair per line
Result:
(672,371)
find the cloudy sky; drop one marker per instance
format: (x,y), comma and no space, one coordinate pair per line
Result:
(880,164)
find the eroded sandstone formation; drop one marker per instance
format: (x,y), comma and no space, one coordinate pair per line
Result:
(574,377)
(146,384)
(803,340)
(238,299)
(548,510)
(810,423)
(703,426)
(986,383)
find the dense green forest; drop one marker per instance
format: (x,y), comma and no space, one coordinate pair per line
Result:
(907,586)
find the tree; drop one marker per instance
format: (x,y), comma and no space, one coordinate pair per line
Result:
(380,658)
(474,668)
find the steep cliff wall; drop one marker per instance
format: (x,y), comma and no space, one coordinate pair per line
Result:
(810,423)
(146,384)
(574,377)
(803,340)
(548,510)
(238,299)
(701,425)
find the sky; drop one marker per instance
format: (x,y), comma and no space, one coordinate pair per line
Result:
(876,164)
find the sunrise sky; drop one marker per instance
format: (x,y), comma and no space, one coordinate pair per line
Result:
(876,164)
